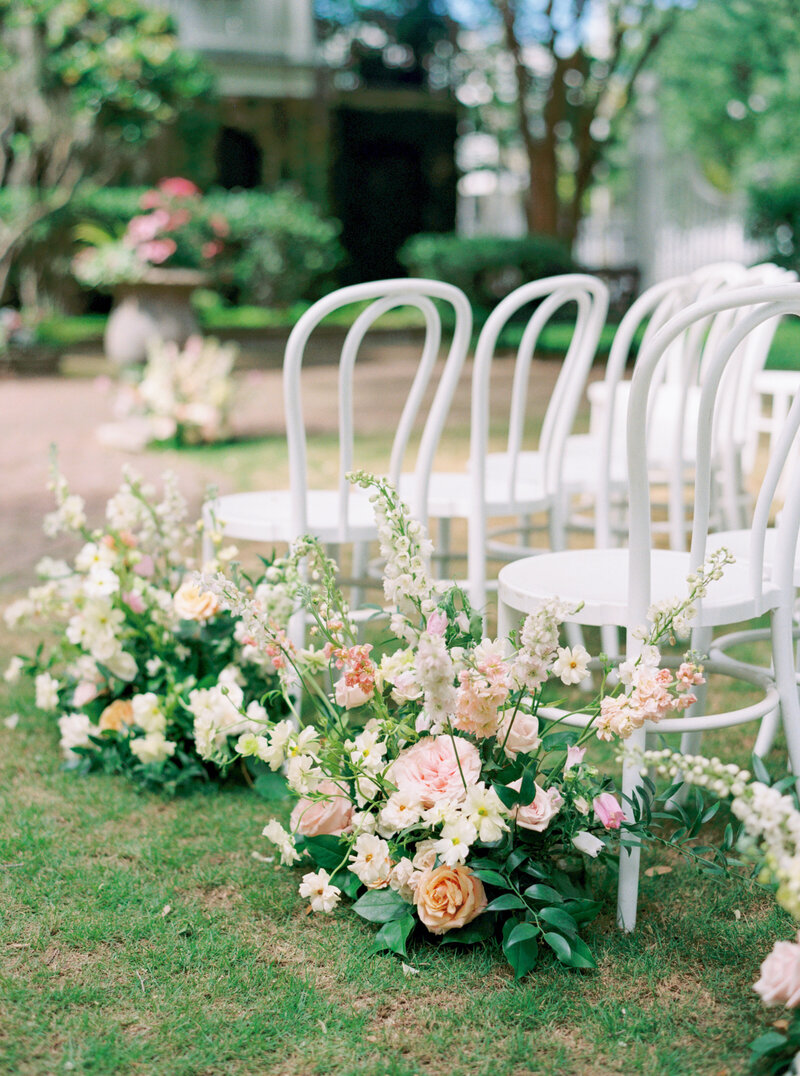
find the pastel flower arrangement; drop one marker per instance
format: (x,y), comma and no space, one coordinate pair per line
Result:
(172,232)
(148,674)
(770,840)
(434,786)
(184,396)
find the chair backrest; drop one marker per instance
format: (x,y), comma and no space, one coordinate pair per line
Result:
(382,295)
(591,296)
(754,306)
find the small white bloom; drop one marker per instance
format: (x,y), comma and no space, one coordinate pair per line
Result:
(485,810)
(75,732)
(588,843)
(370,861)
(572,664)
(401,810)
(11,721)
(14,670)
(153,747)
(323,896)
(454,844)
(46,692)
(275,832)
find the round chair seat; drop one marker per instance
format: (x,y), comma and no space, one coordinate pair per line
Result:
(738,542)
(266,516)
(599,579)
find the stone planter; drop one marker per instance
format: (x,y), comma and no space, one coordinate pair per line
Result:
(156,306)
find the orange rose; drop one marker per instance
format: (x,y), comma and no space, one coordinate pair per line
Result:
(448,898)
(116,715)
(192,603)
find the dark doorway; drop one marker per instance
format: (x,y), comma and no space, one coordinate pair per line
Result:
(238,159)
(393,176)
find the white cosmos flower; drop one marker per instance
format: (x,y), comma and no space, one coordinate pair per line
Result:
(302,774)
(367,751)
(323,896)
(94,555)
(454,844)
(370,861)
(485,810)
(571,664)
(401,810)
(588,843)
(101,583)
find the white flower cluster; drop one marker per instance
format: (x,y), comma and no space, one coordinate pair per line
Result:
(406,551)
(768,816)
(539,650)
(219,712)
(674,617)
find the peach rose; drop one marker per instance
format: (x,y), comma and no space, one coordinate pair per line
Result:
(448,898)
(430,770)
(523,735)
(116,715)
(314,817)
(539,814)
(192,603)
(780,975)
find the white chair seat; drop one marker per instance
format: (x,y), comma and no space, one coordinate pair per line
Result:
(265,516)
(599,579)
(450,493)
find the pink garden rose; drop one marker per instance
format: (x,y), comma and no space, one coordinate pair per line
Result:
(318,816)
(780,976)
(539,814)
(523,733)
(430,770)
(608,811)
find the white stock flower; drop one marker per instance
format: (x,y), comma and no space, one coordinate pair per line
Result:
(94,555)
(46,692)
(153,747)
(317,888)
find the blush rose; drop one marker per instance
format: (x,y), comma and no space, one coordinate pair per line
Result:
(315,817)
(192,603)
(779,983)
(538,814)
(431,771)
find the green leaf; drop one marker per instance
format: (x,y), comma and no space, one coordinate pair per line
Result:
(272,787)
(521,948)
(760,770)
(537,891)
(326,851)
(559,945)
(394,935)
(493,878)
(527,790)
(478,930)
(767,1043)
(556,917)
(381,906)
(505,903)
(508,797)
(561,739)
(583,910)
(574,953)
(517,857)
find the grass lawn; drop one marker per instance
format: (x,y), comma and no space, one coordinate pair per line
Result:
(141,935)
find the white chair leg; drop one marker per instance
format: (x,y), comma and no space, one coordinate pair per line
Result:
(476,563)
(507,619)
(628,895)
(786,683)
(360,560)
(443,551)
(609,640)
(691,741)
(767,733)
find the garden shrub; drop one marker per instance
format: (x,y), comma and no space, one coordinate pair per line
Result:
(281,248)
(486,267)
(774,216)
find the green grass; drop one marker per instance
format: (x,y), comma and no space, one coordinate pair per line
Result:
(236,979)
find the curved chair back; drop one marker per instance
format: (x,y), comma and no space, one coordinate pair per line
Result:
(753,307)
(382,295)
(591,296)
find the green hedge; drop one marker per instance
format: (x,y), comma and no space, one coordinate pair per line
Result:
(774,215)
(486,267)
(281,248)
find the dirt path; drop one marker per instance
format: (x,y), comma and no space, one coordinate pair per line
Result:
(36,413)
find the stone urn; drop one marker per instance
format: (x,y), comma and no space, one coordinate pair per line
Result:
(155,306)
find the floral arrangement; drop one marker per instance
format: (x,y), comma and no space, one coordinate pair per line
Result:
(172,232)
(771,840)
(434,786)
(148,675)
(184,395)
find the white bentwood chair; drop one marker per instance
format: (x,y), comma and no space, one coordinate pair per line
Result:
(618,586)
(515,484)
(344,514)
